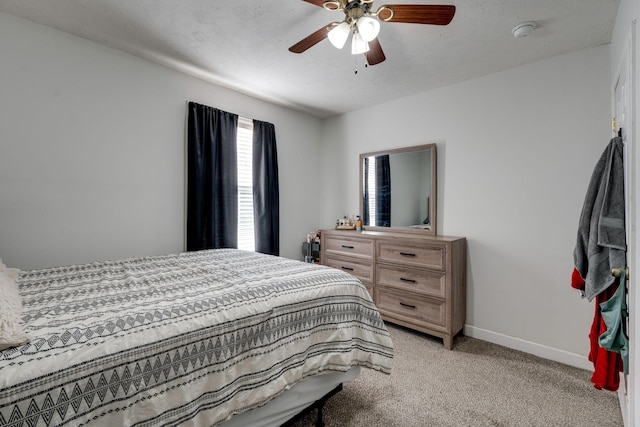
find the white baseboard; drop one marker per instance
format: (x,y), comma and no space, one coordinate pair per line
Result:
(571,359)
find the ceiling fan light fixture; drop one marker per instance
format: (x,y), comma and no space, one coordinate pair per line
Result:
(338,35)
(368,27)
(358,45)
(363,23)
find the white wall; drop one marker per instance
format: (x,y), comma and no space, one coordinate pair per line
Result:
(516,151)
(409,187)
(92,151)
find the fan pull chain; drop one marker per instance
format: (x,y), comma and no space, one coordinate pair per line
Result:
(355,64)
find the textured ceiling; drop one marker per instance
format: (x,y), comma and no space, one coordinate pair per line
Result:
(244,44)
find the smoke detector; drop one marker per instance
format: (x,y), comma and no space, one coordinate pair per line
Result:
(523,29)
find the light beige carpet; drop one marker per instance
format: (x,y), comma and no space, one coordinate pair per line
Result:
(475,384)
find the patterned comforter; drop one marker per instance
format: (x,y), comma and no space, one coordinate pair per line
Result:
(189,338)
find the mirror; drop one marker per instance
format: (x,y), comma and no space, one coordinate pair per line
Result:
(398,189)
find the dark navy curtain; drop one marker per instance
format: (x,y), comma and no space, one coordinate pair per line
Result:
(266,192)
(383,191)
(212,178)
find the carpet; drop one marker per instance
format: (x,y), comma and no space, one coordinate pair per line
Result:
(475,384)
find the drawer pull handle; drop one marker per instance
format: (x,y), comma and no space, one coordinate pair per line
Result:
(347,268)
(407,280)
(406,254)
(347,247)
(408,305)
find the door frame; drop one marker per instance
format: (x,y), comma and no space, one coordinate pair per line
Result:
(629,391)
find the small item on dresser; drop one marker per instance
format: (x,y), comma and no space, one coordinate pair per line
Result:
(345,224)
(358,223)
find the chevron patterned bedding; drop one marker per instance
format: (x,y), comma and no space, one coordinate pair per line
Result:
(190,338)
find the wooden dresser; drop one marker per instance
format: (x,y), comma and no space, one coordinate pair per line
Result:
(415,281)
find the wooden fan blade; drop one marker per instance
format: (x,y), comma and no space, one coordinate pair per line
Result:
(417,14)
(313,39)
(375,55)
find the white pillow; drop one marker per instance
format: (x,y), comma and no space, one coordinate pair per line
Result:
(11,333)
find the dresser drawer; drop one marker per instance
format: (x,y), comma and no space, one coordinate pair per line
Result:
(430,256)
(411,308)
(412,279)
(350,246)
(363,270)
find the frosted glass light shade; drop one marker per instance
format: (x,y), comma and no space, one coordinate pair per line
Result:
(358,45)
(338,35)
(368,28)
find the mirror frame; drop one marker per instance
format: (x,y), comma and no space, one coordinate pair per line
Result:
(433,205)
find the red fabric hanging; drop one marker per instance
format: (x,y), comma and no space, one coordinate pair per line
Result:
(607,364)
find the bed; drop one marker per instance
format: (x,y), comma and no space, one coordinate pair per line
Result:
(197,338)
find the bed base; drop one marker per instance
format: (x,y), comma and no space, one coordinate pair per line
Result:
(297,402)
(318,404)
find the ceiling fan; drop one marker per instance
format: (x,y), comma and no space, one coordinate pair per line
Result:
(364,23)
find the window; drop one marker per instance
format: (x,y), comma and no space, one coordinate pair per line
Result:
(210,186)
(246,235)
(372,190)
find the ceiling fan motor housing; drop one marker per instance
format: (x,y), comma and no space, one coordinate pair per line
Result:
(345,5)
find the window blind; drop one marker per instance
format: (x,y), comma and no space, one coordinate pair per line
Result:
(246,236)
(372,190)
